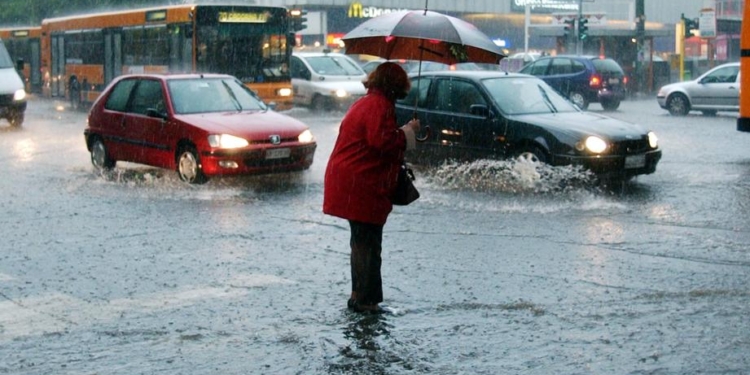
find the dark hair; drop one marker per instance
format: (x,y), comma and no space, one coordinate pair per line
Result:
(391,79)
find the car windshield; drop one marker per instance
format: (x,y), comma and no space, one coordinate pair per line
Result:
(5,60)
(526,95)
(334,66)
(201,95)
(607,66)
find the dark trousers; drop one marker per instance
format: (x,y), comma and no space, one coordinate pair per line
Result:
(365,260)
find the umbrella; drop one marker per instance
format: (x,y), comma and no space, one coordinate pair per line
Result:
(422,35)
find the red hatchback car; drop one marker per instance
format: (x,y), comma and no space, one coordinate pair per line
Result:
(201,125)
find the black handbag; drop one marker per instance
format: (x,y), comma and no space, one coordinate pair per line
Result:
(405,191)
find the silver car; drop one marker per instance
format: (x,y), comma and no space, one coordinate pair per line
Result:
(716,90)
(326,80)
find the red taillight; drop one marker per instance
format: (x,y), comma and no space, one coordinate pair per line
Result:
(595,81)
(624,80)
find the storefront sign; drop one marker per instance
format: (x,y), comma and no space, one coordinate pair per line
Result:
(544,6)
(357,10)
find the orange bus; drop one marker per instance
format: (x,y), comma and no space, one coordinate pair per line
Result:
(24,47)
(252,43)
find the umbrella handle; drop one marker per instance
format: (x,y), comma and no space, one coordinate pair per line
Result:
(427,134)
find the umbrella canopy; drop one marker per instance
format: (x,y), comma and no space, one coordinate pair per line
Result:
(422,35)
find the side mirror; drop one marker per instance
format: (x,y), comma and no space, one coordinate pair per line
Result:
(153,112)
(479,110)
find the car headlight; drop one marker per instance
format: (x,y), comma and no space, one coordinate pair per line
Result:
(19,95)
(285,92)
(226,141)
(593,144)
(306,137)
(653,140)
(341,93)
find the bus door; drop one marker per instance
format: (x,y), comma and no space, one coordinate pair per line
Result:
(35,74)
(58,65)
(112,54)
(180,48)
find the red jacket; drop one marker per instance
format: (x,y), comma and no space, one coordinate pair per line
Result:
(363,168)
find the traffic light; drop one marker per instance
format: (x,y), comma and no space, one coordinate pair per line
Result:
(583,30)
(569,26)
(689,25)
(298,19)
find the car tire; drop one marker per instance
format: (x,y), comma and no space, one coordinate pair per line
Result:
(532,154)
(189,166)
(579,99)
(709,112)
(16,120)
(319,103)
(100,156)
(610,105)
(678,105)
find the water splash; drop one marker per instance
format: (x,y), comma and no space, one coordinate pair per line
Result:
(510,176)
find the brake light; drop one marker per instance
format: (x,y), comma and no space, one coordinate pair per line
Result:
(595,81)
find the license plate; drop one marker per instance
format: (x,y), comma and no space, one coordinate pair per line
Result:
(278,153)
(614,81)
(635,161)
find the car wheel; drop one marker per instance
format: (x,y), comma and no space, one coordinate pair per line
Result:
(100,156)
(610,105)
(532,154)
(319,103)
(709,112)
(578,99)
(189,166)
(16,120)
(678,105)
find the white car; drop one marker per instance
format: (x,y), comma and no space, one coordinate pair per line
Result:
(325,80)
(716,90)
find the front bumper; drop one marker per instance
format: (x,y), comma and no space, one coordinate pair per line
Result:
(662,100)
(257,161)
(615,166)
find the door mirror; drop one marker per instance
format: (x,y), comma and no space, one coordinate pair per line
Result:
(153,112)
(479,110)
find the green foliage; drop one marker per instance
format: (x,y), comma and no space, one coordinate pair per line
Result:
(459,52)
(32,12)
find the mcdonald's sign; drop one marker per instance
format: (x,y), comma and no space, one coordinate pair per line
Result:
(357,10)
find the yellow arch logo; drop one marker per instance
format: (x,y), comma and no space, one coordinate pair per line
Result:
(355,10)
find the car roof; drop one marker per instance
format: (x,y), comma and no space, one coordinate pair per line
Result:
(170,76)
(317,54)
(471,74)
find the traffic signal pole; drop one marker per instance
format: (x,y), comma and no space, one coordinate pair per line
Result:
(579,42)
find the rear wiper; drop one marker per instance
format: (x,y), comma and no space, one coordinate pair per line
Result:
(547,100)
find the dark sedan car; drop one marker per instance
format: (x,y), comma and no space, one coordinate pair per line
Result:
(201,125)
(478,115)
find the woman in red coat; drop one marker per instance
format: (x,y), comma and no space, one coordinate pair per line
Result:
(361,176)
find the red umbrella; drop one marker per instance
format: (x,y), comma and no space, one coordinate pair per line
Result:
(422,35)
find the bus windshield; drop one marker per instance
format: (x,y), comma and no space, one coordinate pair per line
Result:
(249,52)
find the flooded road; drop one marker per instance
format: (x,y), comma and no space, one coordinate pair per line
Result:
(495,270)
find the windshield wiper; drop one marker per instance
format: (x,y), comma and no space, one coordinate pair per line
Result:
(234,97)
(547,100)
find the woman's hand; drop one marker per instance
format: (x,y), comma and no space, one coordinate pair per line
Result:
(410,130)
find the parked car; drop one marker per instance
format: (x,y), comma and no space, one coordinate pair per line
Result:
(413,66)
(12,92)
(516,61)
(497,115)
(582,79)
(325,80)
(201,125)
(716,90)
